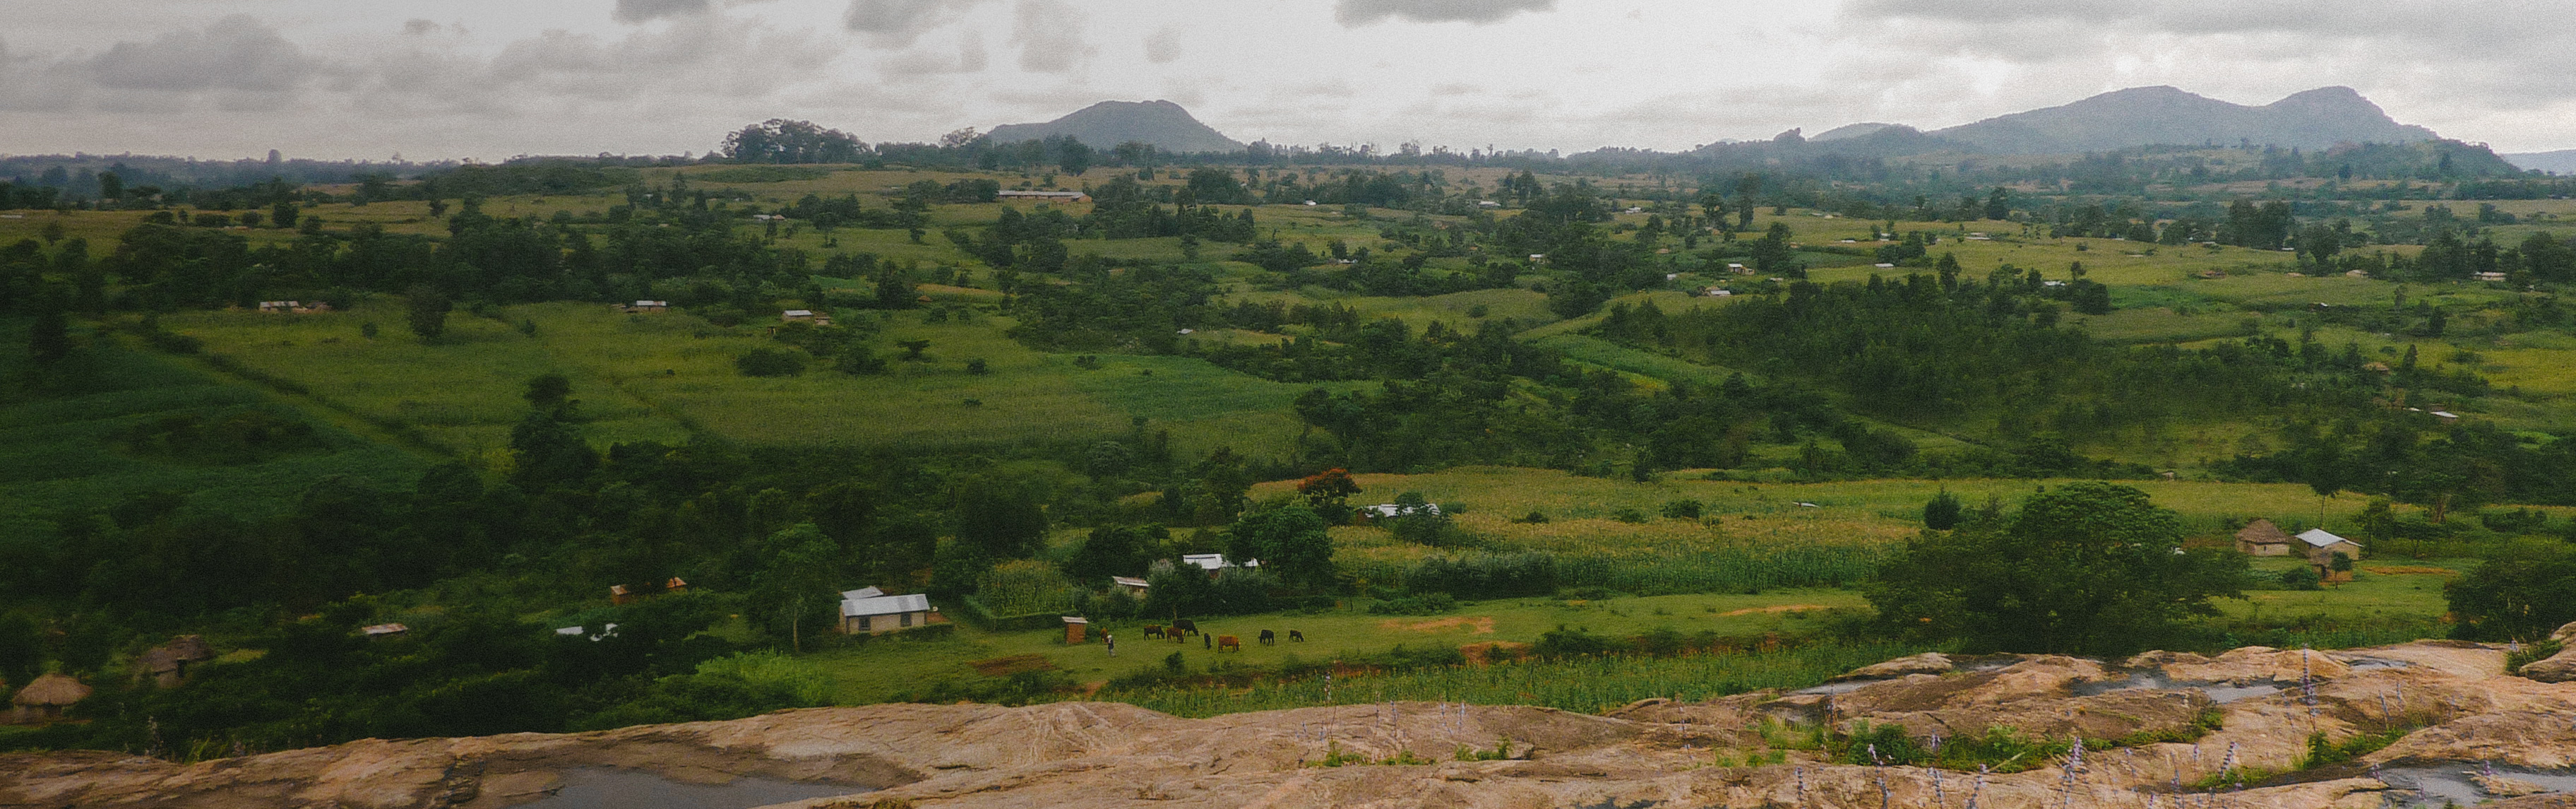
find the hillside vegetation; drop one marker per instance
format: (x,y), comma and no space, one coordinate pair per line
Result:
(1464,412)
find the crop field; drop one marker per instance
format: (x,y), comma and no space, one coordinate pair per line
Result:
(657,376)
(66,451)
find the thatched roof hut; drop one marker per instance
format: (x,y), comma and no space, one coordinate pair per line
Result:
(2262,538)
(190,648)
(46,697)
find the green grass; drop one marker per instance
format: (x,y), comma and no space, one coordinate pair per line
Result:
(1586,685)
(875,671)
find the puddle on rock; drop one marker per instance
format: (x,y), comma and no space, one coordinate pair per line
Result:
(2454,783)
(617,788)
(2218,692)
(1844,687)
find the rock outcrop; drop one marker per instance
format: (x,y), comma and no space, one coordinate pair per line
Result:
(2267,703)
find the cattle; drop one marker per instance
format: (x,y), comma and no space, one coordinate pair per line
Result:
(1185,626)
(1224,642)
(1206,641)
(1153,630)
(1268,637)
(1295,636)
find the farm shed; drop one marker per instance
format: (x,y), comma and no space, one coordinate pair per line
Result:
(2262,538)
(44,699)
(1134,586)
(882,614)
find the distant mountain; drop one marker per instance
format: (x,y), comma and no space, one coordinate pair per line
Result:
(2562,161)
(1109,123)
(2145,116)
(1849,131)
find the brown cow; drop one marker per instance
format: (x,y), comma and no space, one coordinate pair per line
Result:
(1224,642)
(1153,630)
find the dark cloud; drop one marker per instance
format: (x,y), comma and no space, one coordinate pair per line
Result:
(969,58)
(1049,33)
(635,11)
(1365,12)
(898,22)
(417,27)
(1163,46)
(235,53)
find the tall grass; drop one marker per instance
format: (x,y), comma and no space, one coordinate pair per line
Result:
(1583,684)
(1026,587)
(1645,571)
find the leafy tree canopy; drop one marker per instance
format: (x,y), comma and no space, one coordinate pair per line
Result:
(2089,568)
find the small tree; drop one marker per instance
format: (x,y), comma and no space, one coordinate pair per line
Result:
(1328,492)
(1942,513)
(426,311)
(769,362)
(912,349)
(2523,591)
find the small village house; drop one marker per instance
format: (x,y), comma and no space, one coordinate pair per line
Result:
(2323,547)
(384,631)
(1134,586)
(167,664)
(1215,563)
(44,699)
(2262,538)
(877,615)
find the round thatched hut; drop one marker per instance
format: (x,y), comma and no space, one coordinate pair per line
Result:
(44,699)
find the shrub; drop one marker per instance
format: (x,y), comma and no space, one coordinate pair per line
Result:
(1431,604)
(1562,642)
(1629,515)
(1485,575)
(769,362)
(2302,577)
(1682,509)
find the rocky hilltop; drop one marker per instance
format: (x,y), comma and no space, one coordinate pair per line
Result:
(1163,124)
(2479,734)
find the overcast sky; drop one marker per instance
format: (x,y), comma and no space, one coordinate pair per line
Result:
(490,78)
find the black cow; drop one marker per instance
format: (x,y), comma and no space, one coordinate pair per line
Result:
(1185,626)
(1268,637)
(1153,630)
(1295,636)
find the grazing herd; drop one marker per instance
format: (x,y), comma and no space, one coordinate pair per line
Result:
(1180,630)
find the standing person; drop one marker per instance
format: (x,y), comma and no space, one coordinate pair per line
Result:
(1112,640)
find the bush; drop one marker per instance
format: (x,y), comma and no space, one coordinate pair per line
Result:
(2302,577)
(1629,515)
(1431,604)
(769,362)
(1562,642)
(1682,509)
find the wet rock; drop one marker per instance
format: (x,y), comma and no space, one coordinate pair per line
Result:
(1925,663)
(1086,755)
(2557,668)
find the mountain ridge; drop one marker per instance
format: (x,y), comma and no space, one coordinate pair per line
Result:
(2167,115)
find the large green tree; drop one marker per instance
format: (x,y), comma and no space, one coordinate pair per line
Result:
(2091,568)
(2524,591)
(1291,542)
